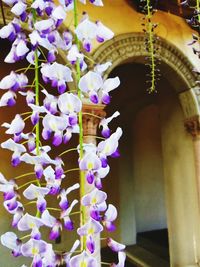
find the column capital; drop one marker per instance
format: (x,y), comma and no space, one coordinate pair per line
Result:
(192,126)
(92,115)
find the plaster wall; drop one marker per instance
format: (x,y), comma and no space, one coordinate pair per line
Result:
(149,196)
(120,17)
(180,184)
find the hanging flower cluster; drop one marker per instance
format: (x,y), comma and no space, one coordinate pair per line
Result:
(194,22)
(55,116)
(150,44)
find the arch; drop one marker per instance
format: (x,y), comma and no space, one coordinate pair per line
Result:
(174,64)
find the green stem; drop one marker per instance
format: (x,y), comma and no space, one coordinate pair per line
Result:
(67,151)
(37,100)
(30,203)
(55,209)
(24,237)
(151,46)
(80,118)
(72,170)
(29,182)
(24,175)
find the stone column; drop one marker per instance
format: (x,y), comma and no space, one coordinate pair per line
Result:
(90,125)
(192,126)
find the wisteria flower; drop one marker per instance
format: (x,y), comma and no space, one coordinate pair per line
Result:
(11,241)
(19,9)
(57,74)
(104,124)
(52,183)
(54,124)
(30,96)
(50,102)
(108,85)
(18,50)
(8,99)
(90,163)
(37,192)
(53,223)
(83,259)
(90,83)
(103,33)
(18,149)
(101,68)
(67,256)
(109,146)
(69,103)
(86,32)
(16,126)
(18,214)
(110,216)
(89,229)
(34,249)
(14,81)
(94,200)
(68,223)
(64,203)
(29,222)
(121,258)
(7,187)
(115,246)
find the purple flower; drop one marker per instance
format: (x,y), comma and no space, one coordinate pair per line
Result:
(90,228)
(68,224)
(83,259)
(108,85)
(16,126)
(103,33)
(96,201)
(18,50)
(109,217)
(34,249)
(57,74)
(29,222)
(122,258)
(53,223)
(115,246)
(52,183)
(14,81)
(7,187)
(54,124)
(11,241)
(18,214)
(110,145)
(86,32)
(104,124)
(90,163)
(30,96)
(101,68)
(64,203)
(67,256)
(69,103)
(50,102)
(18,149)
(8,99)
(90,83)
(36,192)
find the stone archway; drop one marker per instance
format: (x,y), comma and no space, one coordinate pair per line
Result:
(125,48)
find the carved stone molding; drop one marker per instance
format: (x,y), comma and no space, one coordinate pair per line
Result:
(130,48)
(91,118)
(192,126)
